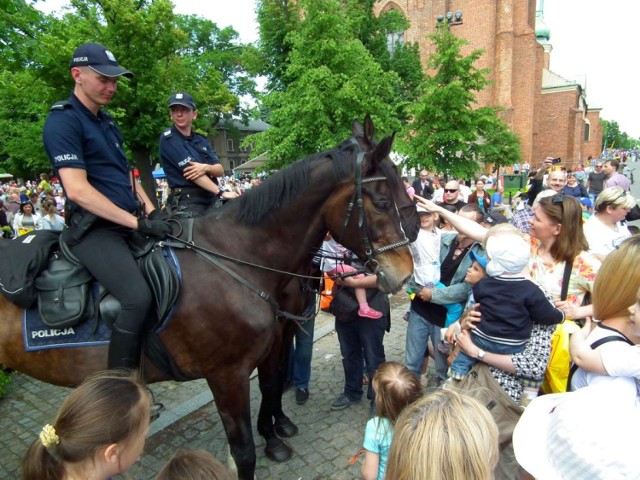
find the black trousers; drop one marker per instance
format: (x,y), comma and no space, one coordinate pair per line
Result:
(105,252)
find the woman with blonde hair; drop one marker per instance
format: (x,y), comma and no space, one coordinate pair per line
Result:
(606,228)
(444,436)
(98,432)
(615,291)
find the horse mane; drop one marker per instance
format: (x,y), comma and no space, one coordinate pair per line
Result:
(283,187)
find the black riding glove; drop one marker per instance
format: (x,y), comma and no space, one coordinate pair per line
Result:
(158,214)
(154,228)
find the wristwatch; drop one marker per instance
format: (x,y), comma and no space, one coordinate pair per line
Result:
(480,355)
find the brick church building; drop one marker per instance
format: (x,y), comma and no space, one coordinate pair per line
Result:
(549,113)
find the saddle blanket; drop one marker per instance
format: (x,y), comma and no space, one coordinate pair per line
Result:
(38,336)
(90,333)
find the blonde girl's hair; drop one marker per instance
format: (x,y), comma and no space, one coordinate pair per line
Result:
(615,197)
(565,211)
(446,435)
(395,387)
(196,465)
(110,407)
(617,281)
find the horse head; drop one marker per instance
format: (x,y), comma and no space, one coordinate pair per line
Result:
(371,213)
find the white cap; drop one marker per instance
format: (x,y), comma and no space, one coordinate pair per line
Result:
(508,253)
(589,434)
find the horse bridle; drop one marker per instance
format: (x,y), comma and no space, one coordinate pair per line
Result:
(356,199)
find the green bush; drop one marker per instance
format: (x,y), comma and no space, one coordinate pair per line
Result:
(5,380)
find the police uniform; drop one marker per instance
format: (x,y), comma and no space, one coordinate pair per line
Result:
(176,151)
(76,138)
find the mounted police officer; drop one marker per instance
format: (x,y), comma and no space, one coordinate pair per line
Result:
(189,162)
(106,206)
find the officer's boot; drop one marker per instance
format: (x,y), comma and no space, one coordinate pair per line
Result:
(124,349)
(124,352)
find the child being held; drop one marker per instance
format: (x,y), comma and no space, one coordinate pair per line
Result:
(616,359)
(334,267)
(509,304)
(395,387)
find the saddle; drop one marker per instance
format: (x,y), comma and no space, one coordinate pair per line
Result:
(40,268)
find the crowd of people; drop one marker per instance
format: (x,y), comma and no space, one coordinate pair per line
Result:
(549,262)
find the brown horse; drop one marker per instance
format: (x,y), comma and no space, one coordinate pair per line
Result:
(222,328)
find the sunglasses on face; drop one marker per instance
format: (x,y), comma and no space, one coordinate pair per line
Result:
(450,190)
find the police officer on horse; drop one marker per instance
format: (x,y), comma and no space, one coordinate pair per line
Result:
(105,206)
(189,162)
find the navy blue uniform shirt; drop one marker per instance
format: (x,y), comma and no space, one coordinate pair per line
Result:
(177,150)
(76,138)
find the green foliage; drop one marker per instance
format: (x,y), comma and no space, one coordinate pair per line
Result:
(167,52)
(276,20)
(331,79)
(5,381)
(446,133)
(612,137)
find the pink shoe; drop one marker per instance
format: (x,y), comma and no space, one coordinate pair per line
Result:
(368,312)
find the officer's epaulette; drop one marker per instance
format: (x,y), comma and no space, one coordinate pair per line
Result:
(61,105)
(167,133)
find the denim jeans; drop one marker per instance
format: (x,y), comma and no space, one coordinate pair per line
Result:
(463,362)
(419,331)
(301,353)
(360,342)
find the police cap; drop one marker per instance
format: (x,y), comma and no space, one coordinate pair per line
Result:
(98,58)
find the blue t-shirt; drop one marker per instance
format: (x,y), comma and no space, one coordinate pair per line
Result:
(496,198)
(177,150)
(377,439)
(76,138)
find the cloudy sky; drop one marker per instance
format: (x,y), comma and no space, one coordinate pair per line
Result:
(593,43)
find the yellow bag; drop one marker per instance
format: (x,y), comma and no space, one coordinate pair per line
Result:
(557,373)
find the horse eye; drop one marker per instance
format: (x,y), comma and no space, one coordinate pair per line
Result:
(381,206)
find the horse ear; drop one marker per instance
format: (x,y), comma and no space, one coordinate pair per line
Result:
(369,129)
(357,129)
(381,151)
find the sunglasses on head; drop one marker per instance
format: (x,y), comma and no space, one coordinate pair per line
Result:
(450,190)
(558,199)
(622,195)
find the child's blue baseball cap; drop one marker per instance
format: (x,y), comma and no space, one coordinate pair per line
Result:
(586,201)
(481,259)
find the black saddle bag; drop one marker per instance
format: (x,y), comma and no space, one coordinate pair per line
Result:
(64,293)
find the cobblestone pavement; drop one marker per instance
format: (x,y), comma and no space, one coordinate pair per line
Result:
(321,450)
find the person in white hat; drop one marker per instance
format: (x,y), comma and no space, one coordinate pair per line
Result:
(583,435)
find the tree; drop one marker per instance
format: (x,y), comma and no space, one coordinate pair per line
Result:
(330,79)
(446,133)
(612,137)
(166,52)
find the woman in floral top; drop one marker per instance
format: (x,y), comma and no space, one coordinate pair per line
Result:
(556,236)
